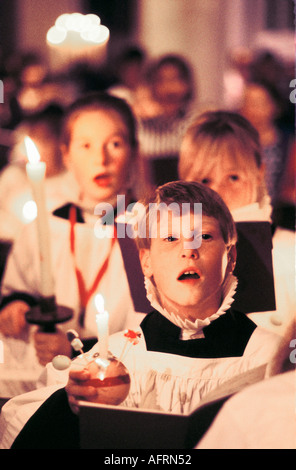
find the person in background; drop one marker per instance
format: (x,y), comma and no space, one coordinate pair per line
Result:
(32,76)
(222,150)
(236,75)
(99,148)
(270,67)
(15,192)
(284,210)
(129,70)
(263,106)
(171,90)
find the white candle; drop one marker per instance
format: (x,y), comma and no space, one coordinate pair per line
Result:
(36,174)
(102,320)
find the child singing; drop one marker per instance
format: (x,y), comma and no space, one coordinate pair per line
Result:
(192,341)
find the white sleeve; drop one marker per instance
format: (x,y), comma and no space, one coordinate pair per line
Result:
(17,411)
(224,433)
(263,344)
(21,269)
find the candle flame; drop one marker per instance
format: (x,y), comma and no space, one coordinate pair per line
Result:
(99,303)
(31,150)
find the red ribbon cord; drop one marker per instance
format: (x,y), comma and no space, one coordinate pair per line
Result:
(85,294)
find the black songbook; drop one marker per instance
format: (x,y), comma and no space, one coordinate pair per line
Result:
(254,268)
(119,427)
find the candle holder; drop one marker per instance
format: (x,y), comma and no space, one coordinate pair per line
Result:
(47,314)
(110,378)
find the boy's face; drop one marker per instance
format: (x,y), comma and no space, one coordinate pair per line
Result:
(98,155)
(189,280)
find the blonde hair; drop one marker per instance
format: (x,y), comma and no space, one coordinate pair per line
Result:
(214,134)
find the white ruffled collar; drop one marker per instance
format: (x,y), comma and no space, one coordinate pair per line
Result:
(190,329)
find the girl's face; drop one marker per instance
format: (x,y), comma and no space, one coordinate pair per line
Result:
(189,279)
(98,154)
(237,186)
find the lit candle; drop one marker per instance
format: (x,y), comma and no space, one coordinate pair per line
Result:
(102,320)
(77,36)
(36,174)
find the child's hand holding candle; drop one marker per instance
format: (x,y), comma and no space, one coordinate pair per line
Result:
(104,379)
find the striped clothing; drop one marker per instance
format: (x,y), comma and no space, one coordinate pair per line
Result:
(160,139)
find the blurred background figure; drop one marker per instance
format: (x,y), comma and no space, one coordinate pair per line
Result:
(17,207)
(9,72)
(222,150)
(10,113)
(269,68)
(38,87)
(33,74)
(163,116)
(284,210)
(29,89)
(236,74)
(128,70)
(263,106)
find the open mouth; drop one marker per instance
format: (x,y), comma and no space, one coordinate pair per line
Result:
(103,180)
(188,275)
